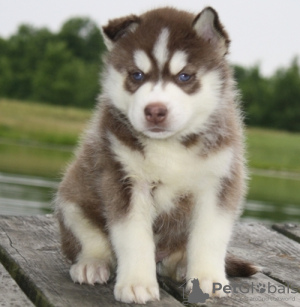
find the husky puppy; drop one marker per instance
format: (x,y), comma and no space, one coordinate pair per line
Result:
(159,177)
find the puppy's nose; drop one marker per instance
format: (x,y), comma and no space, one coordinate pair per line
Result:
(156,112)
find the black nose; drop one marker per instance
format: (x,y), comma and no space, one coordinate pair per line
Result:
(156,112)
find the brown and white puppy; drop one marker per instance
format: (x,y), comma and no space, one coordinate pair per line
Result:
(160,175)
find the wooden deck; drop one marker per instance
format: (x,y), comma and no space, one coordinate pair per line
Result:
(33,271)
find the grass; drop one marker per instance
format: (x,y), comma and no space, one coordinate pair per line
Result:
(276,150)
(274,189)
(41,123)
(33,139)
(31,160)
(38,139)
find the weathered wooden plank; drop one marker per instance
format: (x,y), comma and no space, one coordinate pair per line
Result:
(10,292)
(29,249)
(278,255)
(290,230)
(259,290)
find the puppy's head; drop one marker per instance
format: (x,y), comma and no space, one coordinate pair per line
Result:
(164,69)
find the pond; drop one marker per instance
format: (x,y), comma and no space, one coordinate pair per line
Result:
(26,195)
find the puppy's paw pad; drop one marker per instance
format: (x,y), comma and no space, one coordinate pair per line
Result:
(90,271)
(136,293)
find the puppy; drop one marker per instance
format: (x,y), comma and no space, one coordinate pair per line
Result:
(159,176)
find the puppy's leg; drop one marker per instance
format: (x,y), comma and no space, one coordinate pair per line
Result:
(210,231)
(94,257)
(133,242)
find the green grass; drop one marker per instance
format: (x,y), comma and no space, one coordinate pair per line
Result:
(276,150)
(273,189)
(31,160)
(41,123)
(33,139)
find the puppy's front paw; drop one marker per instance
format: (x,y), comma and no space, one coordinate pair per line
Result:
(90,271)
(136,292)
(206,284)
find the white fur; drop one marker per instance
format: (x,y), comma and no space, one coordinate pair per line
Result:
(186,113)
(133,242)
(107,41)
(165,161)
(113,87)
(93,261)
(142,61)
(166,164)
(211,228)
(160,50)
(178,62)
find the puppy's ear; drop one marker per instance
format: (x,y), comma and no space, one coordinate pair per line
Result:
(208,26)
(117,28)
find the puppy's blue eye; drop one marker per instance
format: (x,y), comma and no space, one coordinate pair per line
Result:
(184,77)
(138,76)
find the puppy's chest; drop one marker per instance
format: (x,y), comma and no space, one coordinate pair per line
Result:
(170,164)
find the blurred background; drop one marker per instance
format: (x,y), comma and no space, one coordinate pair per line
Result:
(50,60)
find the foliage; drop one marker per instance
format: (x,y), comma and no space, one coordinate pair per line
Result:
(271,102)
(60,68)
(63,69)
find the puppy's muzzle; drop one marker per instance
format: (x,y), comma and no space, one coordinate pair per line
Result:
(156,113)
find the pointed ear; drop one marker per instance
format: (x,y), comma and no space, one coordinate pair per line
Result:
(118,28)
(209,27)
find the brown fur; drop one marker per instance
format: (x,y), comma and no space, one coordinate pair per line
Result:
(118,27)
(217,25)
(201,54)
(236,267)
(174,266)
(97,182)
(175,223)
(70,245)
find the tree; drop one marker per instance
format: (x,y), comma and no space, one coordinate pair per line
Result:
(57,68)
(83,38)
(64,79)
(286,98)
(63,68)
(20,59)
(256,95)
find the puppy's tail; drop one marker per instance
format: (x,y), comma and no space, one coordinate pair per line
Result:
(236,267)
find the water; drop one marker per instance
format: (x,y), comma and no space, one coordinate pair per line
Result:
(270,213)
(24,195)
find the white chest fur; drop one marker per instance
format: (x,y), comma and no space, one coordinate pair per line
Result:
(179,170)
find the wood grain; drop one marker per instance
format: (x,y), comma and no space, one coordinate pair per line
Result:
(290,230)
(29,249)
(275,253)
(10,292)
